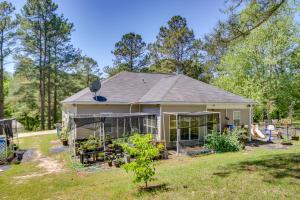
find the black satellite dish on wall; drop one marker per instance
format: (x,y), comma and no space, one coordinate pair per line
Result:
(95,87)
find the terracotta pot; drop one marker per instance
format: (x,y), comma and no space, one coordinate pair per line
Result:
(65,143)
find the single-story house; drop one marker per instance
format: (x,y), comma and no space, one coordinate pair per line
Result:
(173,107)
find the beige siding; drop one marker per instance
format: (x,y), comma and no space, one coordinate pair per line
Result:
(96,109)
(66,110)
(229,113)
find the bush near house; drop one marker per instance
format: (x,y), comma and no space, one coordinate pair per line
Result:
(225,142)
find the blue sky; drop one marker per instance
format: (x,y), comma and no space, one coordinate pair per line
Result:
(99,24)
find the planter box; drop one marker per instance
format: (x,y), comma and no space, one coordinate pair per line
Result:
(296,138)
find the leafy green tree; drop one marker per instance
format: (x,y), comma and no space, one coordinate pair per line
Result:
(145,152)
(176,49)
(35,33)
(129,54)
(23,95)
(260,66)
(243,17)
(89,69)
(7,40)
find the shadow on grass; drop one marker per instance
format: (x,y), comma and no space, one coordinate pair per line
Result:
(154,189)
(271,167)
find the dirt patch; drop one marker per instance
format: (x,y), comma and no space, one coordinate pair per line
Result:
(48,164)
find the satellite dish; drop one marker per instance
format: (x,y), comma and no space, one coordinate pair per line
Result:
(95,86)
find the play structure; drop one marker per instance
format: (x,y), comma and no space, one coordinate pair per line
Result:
(272,129)
(256,133)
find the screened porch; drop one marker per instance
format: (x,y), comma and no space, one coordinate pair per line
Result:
(189,129)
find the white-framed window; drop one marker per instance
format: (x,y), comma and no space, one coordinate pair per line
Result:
(236,118)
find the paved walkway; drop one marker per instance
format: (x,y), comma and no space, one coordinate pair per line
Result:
(30,134)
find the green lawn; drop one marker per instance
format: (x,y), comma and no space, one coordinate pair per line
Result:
(256,174)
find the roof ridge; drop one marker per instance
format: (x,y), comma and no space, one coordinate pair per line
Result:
(158,82)
(162,73)
(174,83)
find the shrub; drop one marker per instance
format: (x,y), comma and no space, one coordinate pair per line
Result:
(142,148)
(226,142)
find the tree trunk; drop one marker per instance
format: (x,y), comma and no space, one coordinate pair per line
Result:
(55,89)
(41,84)
(1,78)
(49,93)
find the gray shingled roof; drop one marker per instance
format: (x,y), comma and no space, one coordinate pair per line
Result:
(128,87)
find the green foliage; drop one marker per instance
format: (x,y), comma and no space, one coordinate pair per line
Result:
(142,148)
(7,44)
(262,67)
(90,145)
(226,142)
(176,49)
(129,54)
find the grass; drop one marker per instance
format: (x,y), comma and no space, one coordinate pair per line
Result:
(257,174)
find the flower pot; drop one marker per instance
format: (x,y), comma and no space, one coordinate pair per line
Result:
(65,142)
(117,164)
(109,163)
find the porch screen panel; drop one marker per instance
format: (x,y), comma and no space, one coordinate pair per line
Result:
(195,121)
(108,126)
(184,126)
(134,125)
(202,127)
(172,128)
(121,127)
(213,123)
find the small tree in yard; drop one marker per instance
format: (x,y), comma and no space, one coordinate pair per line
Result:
(141,147)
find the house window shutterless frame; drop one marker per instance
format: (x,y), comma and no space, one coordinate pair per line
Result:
(236,118)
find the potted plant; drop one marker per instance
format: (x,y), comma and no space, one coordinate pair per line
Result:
(64,135)
(118,162)
(92,144)
(101,156)
(110,160)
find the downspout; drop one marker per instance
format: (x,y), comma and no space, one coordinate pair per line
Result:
(250,122)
